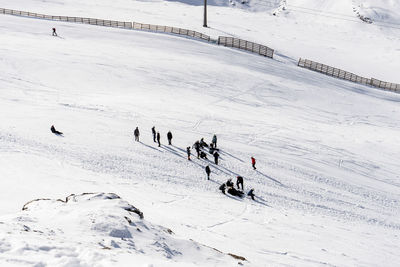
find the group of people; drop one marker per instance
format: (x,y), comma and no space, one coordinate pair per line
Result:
(156,136)
(199,146)
(230,188)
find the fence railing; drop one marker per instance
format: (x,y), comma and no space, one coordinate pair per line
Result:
(110,23)
(338,73)
(246,45)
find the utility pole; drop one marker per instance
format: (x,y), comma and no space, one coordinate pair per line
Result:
(205,14)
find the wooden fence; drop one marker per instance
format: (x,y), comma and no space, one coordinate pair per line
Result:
(226,41)
(246,45)
(110,23)
(338,73)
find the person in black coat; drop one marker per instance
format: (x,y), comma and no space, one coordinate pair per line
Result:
(222,188)
(208,171)
(136,133)
(54,131)
(239,181)
(203,155)
(216,156)
(196,146)
(153,131)
(188,152)
(229,183)
(158,139)
(169,137)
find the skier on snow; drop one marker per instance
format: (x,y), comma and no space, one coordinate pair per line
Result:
(188,152)
(253,162)
(153,131)
(169,136)
(54,32)
(216,156)
(208,171)
(136,133)
(158,139)
(239,181)
(214,141)
(196,146)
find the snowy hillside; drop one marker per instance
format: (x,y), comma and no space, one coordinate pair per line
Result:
(327,179)
(325,31)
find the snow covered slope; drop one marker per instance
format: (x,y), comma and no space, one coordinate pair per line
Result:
(327,150)
(325,31)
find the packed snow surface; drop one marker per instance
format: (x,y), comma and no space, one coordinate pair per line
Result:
(327,179)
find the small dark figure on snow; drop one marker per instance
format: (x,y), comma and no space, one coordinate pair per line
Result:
(202,143)
(222,188)
(169,137)
(196,146)
(216,156)
(229,183)
(54,131)
(153,131)
(158,139)
(54,32)
(214,141)
(239,181)
(136,133)
(208,171)
(253,162)
(234,192)
(251,193)
(203,155)
(188,152)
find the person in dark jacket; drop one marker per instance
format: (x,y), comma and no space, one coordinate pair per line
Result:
(203,155)
(239,181)
(202,143)
(253,162)
(216,156)
(54,32)
(54,131)
(153,131)
(214,141)
(188,152)
(136,133)
(234,192)
(169,137)
(229,183)
(158,139)
(196,146)
(251,193)
(208,171)
(222,188)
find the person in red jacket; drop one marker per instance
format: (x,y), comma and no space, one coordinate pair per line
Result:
(253,162)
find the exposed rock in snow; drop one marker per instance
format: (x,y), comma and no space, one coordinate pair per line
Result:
(58,232)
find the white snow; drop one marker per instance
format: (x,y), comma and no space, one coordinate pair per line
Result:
(327,150)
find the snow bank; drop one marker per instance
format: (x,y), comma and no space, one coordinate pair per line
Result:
(90,228)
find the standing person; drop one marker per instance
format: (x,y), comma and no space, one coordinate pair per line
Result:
(188,152)
(239,181)
(54,32)
(197,148)
(136,133)
(214,141)
(216,156)
(158,139)
(153,131)
(253,162)
(251,193)
(208,171)
(169,136)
